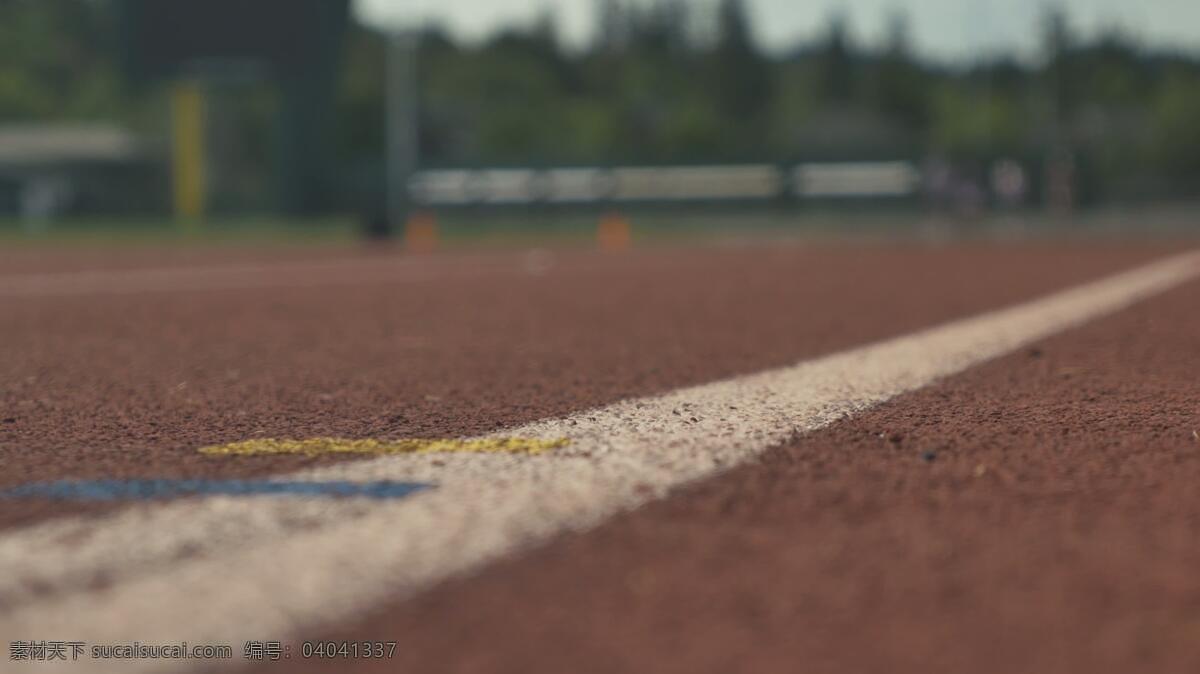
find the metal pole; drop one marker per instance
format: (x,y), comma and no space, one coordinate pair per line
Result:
(402,156)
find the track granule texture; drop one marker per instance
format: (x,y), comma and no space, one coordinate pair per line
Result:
(130,385)
(1035,514)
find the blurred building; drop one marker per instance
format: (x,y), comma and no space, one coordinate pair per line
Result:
(49,170)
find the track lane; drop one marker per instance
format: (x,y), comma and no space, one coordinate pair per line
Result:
(128,386)
(1056,528)
(875,373)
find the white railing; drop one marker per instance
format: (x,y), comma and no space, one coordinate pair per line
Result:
(581,185)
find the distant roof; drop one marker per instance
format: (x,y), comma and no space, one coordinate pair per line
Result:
(41,144)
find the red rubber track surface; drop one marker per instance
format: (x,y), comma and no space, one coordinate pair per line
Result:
(1035,514)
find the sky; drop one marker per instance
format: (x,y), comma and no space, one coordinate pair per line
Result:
(951,30)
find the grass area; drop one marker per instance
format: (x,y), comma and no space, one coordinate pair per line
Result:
(92,232)
(544,227)
(516,227)
(456,228)
(661,226)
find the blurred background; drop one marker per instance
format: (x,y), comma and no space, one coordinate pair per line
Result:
(387,116)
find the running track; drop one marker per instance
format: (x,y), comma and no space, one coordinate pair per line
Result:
(824,458)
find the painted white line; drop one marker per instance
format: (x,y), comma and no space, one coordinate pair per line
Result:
(222,570)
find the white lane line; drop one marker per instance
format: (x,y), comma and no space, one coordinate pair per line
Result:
(305,273)
(223,570)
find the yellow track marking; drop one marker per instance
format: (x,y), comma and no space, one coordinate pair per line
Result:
(314,446)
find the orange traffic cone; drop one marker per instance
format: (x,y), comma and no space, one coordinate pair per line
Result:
(614,232)
(421,232)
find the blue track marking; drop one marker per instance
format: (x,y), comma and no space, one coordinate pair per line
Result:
(109,490)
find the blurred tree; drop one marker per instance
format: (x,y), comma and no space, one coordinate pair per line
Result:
(901,90)
(969,124)
(1176,123)
(1060,69)
(648,90)
(1111,71)
(610,26)
(837,62)
(658,28)
(741,78)
(56,61)
(360,114)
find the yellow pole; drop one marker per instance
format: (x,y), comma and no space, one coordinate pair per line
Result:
(187,113)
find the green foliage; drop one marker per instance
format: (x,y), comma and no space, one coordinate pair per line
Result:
(55,60)
(650,89)
(1176,122)
(837,63)
(968,122)
(741,77)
